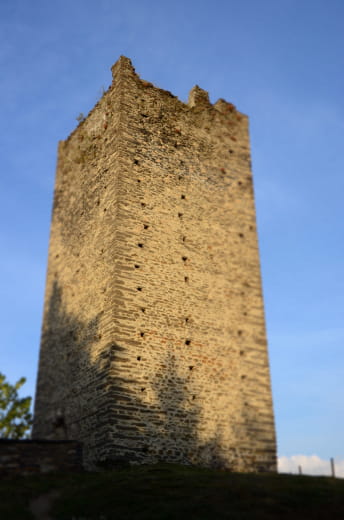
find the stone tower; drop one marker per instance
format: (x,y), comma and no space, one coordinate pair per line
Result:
(153,342)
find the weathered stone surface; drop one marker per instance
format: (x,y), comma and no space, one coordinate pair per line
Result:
(153,343)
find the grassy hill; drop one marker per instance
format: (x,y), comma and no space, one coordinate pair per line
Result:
(167,492)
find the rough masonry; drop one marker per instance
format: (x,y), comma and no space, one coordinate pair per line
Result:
(153,342)
(27,457)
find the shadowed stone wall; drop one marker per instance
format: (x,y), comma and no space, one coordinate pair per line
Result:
(153,343)
(26,457)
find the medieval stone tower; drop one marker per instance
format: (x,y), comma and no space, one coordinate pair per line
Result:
(153,343)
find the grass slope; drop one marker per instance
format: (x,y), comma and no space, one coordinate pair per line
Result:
(167,492)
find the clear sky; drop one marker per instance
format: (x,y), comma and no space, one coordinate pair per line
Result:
(279,61)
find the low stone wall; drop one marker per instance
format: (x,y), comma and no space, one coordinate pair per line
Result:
(25,457)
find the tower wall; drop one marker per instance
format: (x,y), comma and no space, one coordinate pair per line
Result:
(153,344)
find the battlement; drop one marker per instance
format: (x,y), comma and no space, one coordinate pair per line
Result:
(198,97)
(123,71)
(153,341)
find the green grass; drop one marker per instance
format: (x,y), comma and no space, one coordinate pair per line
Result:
(169,492)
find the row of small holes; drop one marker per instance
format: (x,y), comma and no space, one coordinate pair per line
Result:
(184,258)
(145,226)
(187,341)
(137,266)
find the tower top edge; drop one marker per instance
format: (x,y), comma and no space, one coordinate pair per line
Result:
(198,97)
(124,74)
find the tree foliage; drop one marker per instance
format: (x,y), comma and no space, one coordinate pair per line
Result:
(15,416)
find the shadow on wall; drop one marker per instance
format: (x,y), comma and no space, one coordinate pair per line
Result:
(82,395)
(64,371)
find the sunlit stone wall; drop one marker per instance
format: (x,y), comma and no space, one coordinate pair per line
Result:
(153,342)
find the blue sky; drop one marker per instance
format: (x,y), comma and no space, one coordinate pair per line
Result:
(279,61)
